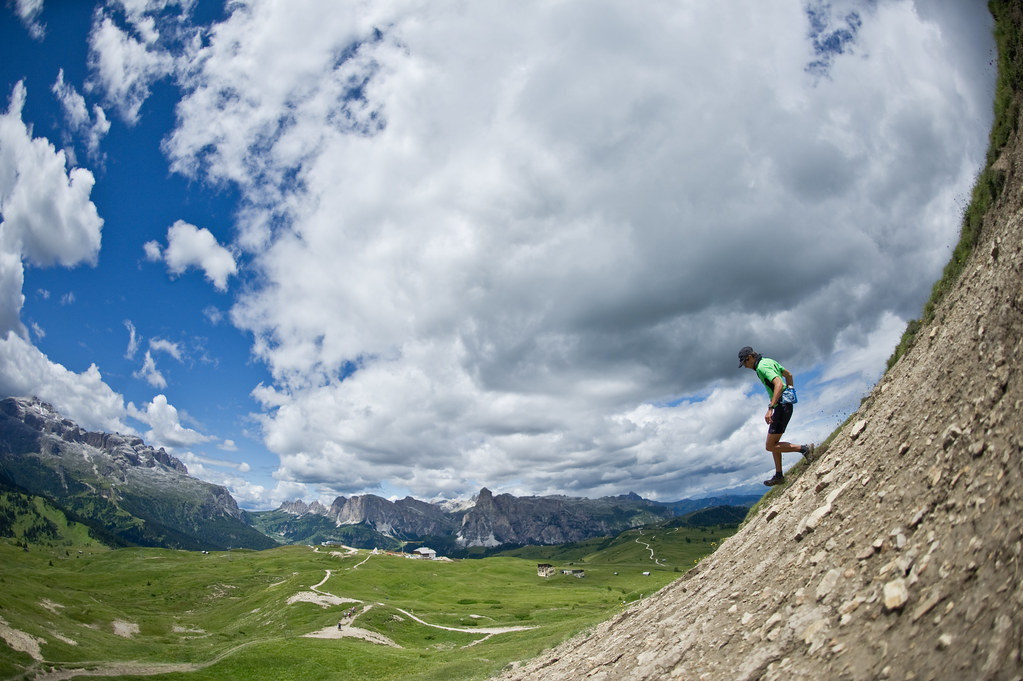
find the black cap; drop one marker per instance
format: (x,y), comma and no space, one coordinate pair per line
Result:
(744,353)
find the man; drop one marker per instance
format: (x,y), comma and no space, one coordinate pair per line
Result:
(777,380)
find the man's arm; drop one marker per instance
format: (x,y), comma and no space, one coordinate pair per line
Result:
(779,387)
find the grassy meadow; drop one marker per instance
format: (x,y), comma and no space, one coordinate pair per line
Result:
(157,613)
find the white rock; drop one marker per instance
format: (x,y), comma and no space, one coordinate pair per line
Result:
(828,583)
(896,593)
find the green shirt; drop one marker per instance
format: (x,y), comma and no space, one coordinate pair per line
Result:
(767,371)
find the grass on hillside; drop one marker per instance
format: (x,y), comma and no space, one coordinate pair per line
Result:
(31,520)
(232,615)
(1008,15)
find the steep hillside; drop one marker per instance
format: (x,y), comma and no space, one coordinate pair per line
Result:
(897,554)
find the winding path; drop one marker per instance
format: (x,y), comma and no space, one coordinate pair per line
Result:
(657,561)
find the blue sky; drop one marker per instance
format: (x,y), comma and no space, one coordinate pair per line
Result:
(419,248)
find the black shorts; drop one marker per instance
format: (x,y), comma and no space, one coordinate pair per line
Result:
(780,419)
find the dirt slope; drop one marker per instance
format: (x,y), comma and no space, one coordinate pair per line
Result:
(897,555)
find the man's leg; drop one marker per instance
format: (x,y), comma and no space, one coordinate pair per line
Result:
(776,448)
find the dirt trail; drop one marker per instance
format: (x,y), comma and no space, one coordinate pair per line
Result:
(657,561)
(465,630)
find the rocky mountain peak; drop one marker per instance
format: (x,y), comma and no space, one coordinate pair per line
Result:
(40,418)
(484,500)
(297,507)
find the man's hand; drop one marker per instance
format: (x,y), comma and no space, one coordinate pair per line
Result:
(767,416)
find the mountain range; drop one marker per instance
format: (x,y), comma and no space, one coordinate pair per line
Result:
(485,521)
(129,493)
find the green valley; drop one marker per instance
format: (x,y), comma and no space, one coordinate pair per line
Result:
(282,613)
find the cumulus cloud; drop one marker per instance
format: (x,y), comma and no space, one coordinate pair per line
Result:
(48,219)
(192,459)
(165,425)
(83,397)
(491,240)
(191,246)
(48,216)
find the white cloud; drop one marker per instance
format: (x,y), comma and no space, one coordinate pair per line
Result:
(248,494)
(12,278)
(165,425)
(214,314)
(153,251)
(93,128)
(191,459)
(189,246)
(170,347)
(48,217)
(84,397)
(28,11)
(133,340)
(150,373)
(863,356)
(148,370)
(125,66)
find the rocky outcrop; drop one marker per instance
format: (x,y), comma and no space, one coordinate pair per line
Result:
(898,553)
(404,518)
(506,519)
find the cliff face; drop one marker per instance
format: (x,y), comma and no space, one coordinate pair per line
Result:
(506,519)
(406,517)
(897,554)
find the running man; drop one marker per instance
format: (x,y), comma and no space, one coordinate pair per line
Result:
(778,382)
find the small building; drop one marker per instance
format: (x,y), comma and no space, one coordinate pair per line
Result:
(425,553)
(574,573)
(545,570)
